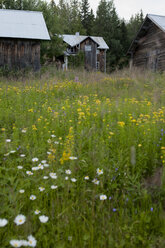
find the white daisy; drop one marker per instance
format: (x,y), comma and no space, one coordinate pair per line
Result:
(43,161)
(66,178)
(16,243)
(99,171)
(43,218)
(29,173)
(72,158)
(20,167)
(68,172)
(73,180)
(32,241)
(103,197)
(40,166)
(86,178)
(35,168)
(53,175)
(3,222)
(8,140)
(34,159)
(45,177)
(24,131)
(53,136)
(24,242)
(22,155)
(20,219)
(41,189)
(95,181)
(46,165)
(12,151)
(21,191)
(33,197)
(54,187)
(37,211)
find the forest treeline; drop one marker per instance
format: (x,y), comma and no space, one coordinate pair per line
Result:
(69,17)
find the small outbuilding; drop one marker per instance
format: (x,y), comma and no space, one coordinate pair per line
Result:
(147,50)
(94,49)
(20,36)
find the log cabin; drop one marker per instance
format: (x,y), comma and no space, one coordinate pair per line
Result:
(20,35)
(94,49)
(147,50)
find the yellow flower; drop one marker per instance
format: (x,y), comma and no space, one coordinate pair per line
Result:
(139,145)
(121,123)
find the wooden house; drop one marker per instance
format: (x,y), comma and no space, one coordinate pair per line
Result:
(20,36)
(94,49)
(147,50)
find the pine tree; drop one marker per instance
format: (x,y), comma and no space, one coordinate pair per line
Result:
(85,15)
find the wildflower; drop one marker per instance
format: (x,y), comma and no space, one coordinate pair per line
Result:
(121,123)
(3,222)
(103,197)
(43,218)
(22,155)
(32,241)
(56,142)
(49,141)
(46,165)
(40,166)
(12,151)
(35,168)
(48,153)
(53,175)
(16,243)
(86,178)
(53,136)
(73,180)
(24,242)
(70,238)
(24,130)
(99,172)
(114,209)
(20,167)
(41,189)
(45,177)
(20,219)
(21,191)
(54,187)
(68,172)
(34,159)
(43,161)
(66,178)
(72,158)
(8,140)
(139,145)
(29,173)
(32,197)
(152,209)
(95,181)
(37,211)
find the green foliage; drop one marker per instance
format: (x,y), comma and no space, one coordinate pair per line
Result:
(76,61)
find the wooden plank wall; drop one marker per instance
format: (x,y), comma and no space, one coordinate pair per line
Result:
(101,59)
(150,51)
(19,53)
(90,56)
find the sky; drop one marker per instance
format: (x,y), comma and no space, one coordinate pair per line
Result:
(127,8)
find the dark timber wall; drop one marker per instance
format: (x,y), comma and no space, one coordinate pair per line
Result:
(90,54)
(19,53)
(149,52)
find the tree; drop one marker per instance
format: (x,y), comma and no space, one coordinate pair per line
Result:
(85,14)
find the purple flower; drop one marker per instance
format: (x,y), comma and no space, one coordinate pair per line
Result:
(110,198)
(114,209)
(152,209)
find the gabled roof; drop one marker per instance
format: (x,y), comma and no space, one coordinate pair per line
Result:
(158,20)
(23,24)
(74,40)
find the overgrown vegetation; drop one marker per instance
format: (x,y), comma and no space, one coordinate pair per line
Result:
(84,154)
(69,17)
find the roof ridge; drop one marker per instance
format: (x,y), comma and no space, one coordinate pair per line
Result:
(17,10)
(156,15)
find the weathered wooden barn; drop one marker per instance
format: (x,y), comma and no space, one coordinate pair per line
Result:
(93,47)
(20,36)
(147,50)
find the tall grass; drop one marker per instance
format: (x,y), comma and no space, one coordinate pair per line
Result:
(114,124)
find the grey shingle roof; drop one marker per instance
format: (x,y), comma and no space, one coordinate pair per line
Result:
(23,24)
(158,20)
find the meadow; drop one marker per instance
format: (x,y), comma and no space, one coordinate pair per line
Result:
(82,161)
